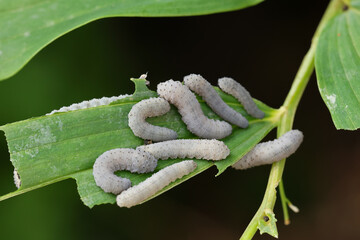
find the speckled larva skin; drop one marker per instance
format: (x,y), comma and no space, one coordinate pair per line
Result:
(188,148)
(89,104)
(198,84)
(234,88)
(144,190)
(121,159)
(17,180)
(190,110)
(151,107)
(271,151)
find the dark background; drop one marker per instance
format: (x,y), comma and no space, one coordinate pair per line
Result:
(262,48)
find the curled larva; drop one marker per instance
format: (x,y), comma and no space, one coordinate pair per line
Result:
(150,108)
(188,148)
(190,110)
(271,151)
(89,104)
(137,194)
(121,159)
(234,88)
(198,84)
(17,180)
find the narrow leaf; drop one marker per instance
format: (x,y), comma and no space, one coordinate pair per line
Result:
(337,63)
(52,148)
(27,26)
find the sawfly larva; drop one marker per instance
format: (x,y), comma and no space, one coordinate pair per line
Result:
(190,110)
(121,159)
(89,104)
(188,148)
(144,190)
(271,151)
(235,89)
(199,85)
(151,107)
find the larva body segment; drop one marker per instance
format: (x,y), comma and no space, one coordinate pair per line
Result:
(188,148)
(89,104)
(121,159)
(198,84)
(271,151)
(137,194)
(150,108)
(235,89)
(190,110)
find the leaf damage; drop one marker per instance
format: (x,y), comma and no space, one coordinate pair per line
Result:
(52,148)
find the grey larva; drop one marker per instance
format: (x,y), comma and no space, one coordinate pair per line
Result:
(190,110)
(272,151)
(188,148)
(121,159)
(17,180)
(137,194)
(150,108)
(234,88)
(89,104)
(202,87)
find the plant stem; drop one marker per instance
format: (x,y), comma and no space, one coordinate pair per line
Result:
(284,202)
(290,105)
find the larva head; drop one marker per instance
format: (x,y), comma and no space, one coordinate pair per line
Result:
(195,81)
(170,89)
(120,159)
(144,166)
(224,82)
(295,137)
(223,150)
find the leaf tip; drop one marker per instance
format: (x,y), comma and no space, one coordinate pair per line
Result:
(140,84)
(220,170)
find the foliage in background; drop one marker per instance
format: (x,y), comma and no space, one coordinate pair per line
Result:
(27,26)
(337,67)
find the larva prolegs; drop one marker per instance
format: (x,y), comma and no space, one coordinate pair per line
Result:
(150,108)
(271,151)
(235,89)
(121,159)
(203,88)
(144,190)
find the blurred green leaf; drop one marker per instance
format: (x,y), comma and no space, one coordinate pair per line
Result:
(52,148)
(27,26)
(337,63)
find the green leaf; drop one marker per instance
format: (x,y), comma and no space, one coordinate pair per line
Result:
(337,63)
(52,148)
(27,26)
(267,224)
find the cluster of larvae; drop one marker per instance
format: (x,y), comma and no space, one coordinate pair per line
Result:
(144,158)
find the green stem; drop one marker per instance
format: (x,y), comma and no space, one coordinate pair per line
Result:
(284,202)
(290,105)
